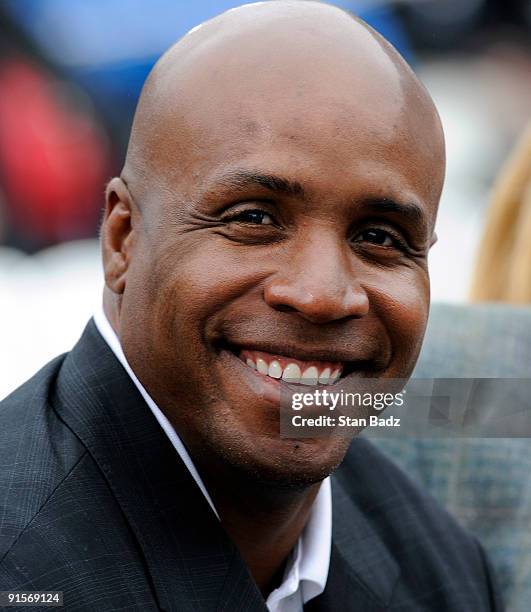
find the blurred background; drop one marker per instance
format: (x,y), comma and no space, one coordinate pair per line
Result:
(70,75)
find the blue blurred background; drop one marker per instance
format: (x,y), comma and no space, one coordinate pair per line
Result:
(70,75)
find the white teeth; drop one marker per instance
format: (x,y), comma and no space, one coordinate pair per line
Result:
(275,369)
(325,376)
(335,375)
(262,366)
(309,376)
(292,373)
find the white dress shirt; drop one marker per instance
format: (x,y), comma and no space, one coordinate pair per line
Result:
(307,568)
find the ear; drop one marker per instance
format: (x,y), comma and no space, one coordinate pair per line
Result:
(117,235)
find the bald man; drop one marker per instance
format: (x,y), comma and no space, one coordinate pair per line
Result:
(271,223)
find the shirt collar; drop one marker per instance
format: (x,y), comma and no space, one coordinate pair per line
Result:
(307,572)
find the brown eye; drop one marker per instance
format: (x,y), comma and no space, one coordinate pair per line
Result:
(375,236)
(253,217)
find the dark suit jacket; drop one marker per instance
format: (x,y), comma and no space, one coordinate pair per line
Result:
(95,502)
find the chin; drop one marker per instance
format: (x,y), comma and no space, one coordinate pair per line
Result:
(287,463)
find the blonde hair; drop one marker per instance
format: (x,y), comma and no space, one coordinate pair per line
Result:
(503,269)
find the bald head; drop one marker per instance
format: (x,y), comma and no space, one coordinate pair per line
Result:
(262,69)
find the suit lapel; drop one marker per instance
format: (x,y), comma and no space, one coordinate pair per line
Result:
(192,563)
(362,573)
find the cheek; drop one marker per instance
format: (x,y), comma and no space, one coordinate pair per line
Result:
(401,302)
(193,282)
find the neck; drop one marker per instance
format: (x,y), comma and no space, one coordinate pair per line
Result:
(111,309)
(263,521)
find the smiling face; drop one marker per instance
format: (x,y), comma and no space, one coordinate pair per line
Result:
(278,226)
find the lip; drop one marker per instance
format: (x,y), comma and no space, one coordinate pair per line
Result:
(295,352)
(270,396)
(352,363)
(269,389)
(265,388)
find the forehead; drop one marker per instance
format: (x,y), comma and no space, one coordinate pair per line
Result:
(311,112)
(327,145)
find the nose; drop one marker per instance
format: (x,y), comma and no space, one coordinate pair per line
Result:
(318,283)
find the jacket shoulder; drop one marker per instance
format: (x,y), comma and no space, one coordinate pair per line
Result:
(400,509)
(435,554)
(37,452)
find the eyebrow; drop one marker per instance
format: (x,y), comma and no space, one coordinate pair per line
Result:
(277,184)
(241,179)
(409,211)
